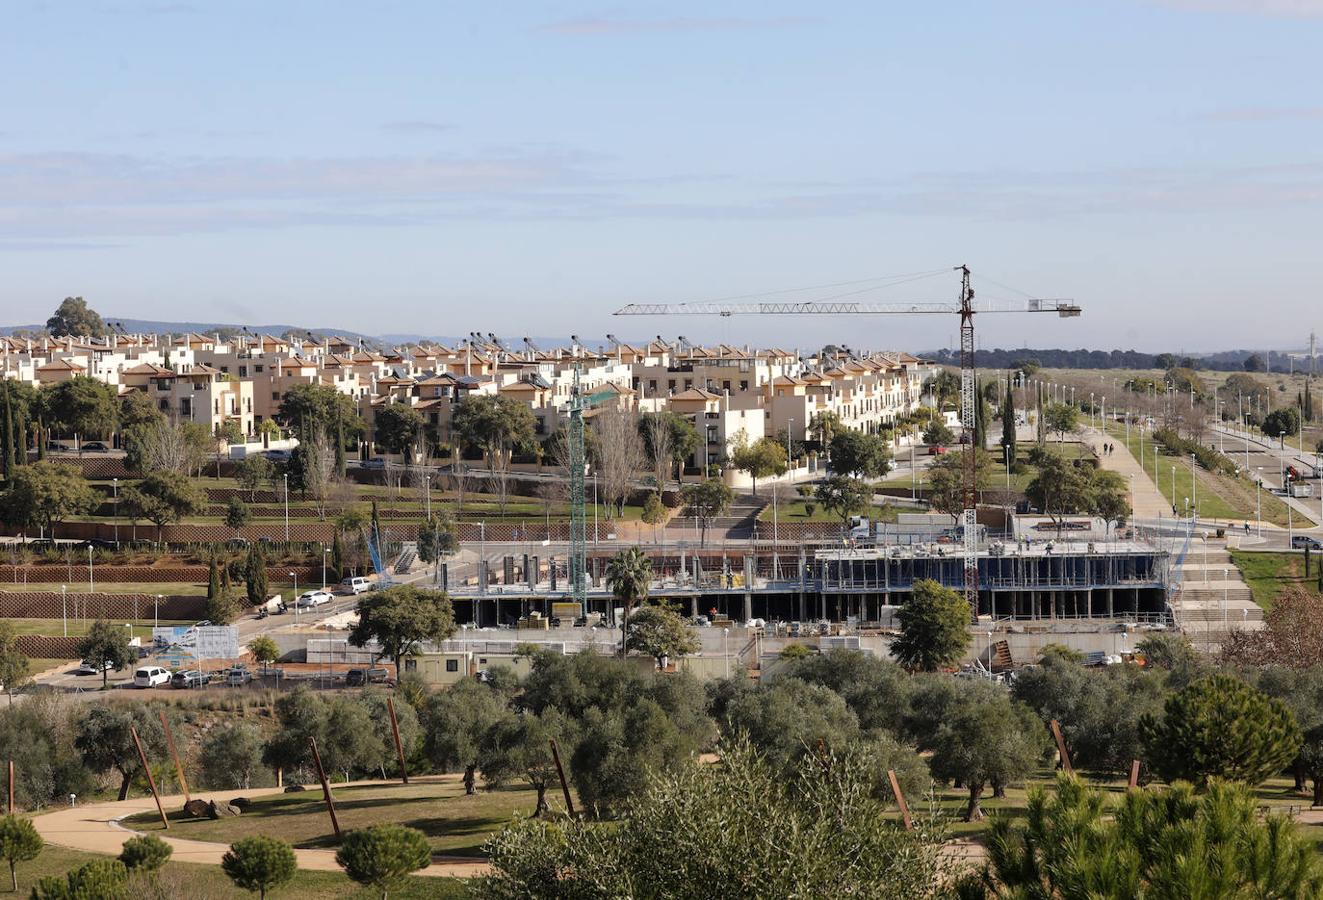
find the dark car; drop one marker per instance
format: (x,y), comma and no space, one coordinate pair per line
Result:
(360,677)
(1301,541)
(95,447)
(96,544)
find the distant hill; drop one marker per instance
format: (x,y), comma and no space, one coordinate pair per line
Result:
(149,326)
(1058,358)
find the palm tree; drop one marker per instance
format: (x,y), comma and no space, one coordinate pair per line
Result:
(628,575)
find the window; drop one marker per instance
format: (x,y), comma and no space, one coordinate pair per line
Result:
(411,665)
(227,368)
(452,665)
(275,395)
(258,369)
(243,371)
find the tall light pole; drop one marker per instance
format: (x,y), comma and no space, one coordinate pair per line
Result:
(114,488)
(90,582)
(1258,502)
(156,620)
(295,576)
(1194,487)
(1006,454)
(325,550)
(286,477)
(64,607)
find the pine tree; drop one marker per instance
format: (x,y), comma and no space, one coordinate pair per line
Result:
(1008,421)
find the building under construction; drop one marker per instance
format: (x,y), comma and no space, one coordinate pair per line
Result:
(1018,580)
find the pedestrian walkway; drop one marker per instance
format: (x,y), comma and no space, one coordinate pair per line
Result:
(1146,500)
(95,828)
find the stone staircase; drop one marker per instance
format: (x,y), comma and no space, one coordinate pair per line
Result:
(1213,600)
(739,520)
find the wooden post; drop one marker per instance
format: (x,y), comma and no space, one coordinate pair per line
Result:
(1134,774)
(560,770)
(1061,749)
(179,767)
(326,787)
(900,800)
(151,782)
(395,732)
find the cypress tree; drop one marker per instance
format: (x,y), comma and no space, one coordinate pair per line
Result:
(41,440)
(20,437)
(980,417)
(255,575)
(1008,421)
(9,436)
(339,448)
(338,556)
(213,580)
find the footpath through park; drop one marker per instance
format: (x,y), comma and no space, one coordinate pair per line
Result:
(96,828)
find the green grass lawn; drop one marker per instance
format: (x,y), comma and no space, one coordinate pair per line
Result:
(1268,574)
(79,586)
(1218,496)
(456,824)
(794,511)
(996,479)
(79,627)
(183,880)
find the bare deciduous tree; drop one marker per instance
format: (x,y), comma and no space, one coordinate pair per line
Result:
(620,452)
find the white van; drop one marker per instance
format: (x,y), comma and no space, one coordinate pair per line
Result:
(355,586)
(150,677)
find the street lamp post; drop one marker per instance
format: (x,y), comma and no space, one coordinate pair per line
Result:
(156,617)
(1194,487)
(90,580)
(325,550)
(1006,453)
(725,648)
(1258,502)
(114,489)
(1173,487)
(295,576)
(64,607)
(286,477)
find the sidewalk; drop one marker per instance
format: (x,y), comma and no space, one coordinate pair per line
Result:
(1145,498)
(95,828)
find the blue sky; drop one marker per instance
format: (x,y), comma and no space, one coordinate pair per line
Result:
(525,168)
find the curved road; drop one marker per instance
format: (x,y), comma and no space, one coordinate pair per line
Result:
(95,828)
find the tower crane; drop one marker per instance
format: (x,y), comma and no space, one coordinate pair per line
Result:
(964,307)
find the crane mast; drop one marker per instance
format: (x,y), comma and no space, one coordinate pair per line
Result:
(964,307)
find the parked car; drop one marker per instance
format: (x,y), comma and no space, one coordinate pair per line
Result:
(96,544)
(95,447)
(310,599)
(87,667)
(150,677)
(936,450)
(238,676)
(59,447)
(277,455)
(190,678)
(360,677)
(1301,541)
(375,462)
(355,585)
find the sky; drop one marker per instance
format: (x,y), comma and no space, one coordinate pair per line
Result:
(527,168)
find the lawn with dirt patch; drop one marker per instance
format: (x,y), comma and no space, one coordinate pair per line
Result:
(456,824)
(1268,574)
